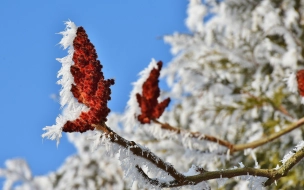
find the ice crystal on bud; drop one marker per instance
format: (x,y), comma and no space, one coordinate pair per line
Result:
(150,107)
(85,93)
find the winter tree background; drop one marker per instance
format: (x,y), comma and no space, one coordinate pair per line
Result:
(235,85)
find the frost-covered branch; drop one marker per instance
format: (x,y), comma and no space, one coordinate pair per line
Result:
(139,151)
(286,167)
(230,146)
(271,174)
(266,139)
(196,135)
(204,175)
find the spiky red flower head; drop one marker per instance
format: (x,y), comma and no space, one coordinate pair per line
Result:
(90,87)
(150,107)
(300,80)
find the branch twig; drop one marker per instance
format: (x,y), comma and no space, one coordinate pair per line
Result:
(138,151)
(269,138)
(196,135)
(235,147)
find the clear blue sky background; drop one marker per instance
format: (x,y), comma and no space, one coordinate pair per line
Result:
(125,34)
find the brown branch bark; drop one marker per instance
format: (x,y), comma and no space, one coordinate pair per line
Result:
(181,180)
(235,147)
(196,135)
(271,174)
(269,138)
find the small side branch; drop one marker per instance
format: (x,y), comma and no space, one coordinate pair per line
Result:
(138,151)
(269,138)
(196,135)
(235,147)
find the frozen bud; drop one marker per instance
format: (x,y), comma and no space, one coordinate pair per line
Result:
(85,92)
(148,103)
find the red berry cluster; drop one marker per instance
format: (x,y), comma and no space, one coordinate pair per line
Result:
(300,80)
(90,86)
(150,107)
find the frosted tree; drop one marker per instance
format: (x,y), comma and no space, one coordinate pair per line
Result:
(233,112)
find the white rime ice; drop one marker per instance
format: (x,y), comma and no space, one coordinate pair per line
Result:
(196,13)
(70,105)
(298,147)
(292,83)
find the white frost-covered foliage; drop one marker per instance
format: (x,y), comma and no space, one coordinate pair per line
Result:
(89,168)
(227,77)
(292,83)
(218,71)
(228,80)
(16,169)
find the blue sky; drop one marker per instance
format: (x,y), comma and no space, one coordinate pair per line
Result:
(126,36)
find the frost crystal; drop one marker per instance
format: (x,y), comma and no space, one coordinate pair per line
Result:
(72,108)
(221,181)
(298,147)
(241,165)
(292,83)
(192,171)
(287,157)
